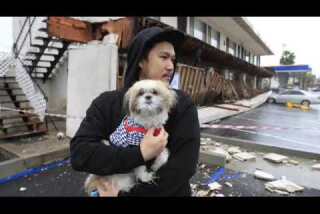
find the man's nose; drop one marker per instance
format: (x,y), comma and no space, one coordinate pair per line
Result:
(170,65)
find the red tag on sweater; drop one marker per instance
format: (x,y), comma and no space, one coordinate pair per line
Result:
(156,132)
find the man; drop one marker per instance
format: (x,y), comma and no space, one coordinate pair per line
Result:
(150,56)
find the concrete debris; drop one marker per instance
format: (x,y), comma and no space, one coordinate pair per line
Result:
(213,194)
(316,166)
(244,156)
(228,184)
(283,185)
(234,149)
(193,186)
(221,152)
(285,161)
(217,144)
(22,189)
(202,166)
(220,195)
(275,158)
(215,186)
(294,162)
(203,143)
(202,193)
(263,175)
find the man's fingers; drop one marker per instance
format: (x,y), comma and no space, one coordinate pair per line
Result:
(150,131)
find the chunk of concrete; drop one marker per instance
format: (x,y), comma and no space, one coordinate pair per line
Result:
(316,166)
(234,149)
(283,185)
(293,162)
(202,193)
(244,156)
(219,195)
(228,184)
(275,158)
(215,186)
(222,152)
(217,144)
(263,175)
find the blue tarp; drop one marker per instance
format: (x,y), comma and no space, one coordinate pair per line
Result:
(292,68)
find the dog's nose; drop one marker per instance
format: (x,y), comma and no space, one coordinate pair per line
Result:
(148,97)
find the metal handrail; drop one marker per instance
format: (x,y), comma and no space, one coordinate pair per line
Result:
(24,39)
(17,53)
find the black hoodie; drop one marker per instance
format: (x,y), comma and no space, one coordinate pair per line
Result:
(104,115)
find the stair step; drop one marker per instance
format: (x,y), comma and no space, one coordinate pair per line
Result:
(43,54)
(47,38)
(42,46)
(38,66)
(43,29)
(24,134)
(43,60)
(16,101)
(15,95)
(11,88)
(19,124)
(17,116)
(7,77)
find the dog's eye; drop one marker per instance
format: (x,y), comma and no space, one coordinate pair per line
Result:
(155,92)
(141,92)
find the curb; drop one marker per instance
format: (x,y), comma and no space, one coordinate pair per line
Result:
(264,148)
(16,165)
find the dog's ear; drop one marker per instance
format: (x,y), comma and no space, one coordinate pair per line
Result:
(125,104)
(172,98)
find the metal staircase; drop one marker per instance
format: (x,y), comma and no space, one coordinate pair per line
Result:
(36,56)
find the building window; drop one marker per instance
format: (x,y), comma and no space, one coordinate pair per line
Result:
(198,29)
(213,37)
(258,60)
(232,48)
(155,17)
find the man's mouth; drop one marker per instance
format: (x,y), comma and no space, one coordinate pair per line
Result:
(166,76)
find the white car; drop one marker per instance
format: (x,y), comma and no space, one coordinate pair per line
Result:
(295,96)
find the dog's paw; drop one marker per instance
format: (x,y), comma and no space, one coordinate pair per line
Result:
(160,160)
(147,177)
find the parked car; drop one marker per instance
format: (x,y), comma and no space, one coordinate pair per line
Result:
(295,96)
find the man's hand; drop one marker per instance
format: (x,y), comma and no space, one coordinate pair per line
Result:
(106,189)
(151,146)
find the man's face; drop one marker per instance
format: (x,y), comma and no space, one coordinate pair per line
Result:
(159,64)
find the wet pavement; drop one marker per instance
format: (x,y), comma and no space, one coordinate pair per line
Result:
(65,182)
(303,133)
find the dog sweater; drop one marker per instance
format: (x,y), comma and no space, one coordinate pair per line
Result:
(129,133)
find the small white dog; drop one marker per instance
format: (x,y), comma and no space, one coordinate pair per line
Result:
(148,103)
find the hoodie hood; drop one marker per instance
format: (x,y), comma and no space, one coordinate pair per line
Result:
(139,45)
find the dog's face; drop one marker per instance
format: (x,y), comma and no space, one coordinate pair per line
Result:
(149,98)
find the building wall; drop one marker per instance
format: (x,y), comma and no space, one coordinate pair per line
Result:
(92,70)
(170,20)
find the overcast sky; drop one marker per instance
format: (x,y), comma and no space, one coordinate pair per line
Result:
(298,34)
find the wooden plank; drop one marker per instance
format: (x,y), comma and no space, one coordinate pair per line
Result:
(198,84)
(190,84)
(69,29)
(228,108)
